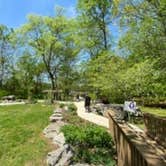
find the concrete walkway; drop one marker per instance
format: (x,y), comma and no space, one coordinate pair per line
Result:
(91,117)
(12,103)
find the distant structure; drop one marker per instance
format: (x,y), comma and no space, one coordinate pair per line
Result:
(9,98)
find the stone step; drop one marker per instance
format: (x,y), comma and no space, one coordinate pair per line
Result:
(57,111)
(56,114)
(55,119)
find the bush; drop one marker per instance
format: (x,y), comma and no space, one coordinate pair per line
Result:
(61,105)
(72,108)
(72,118)
(3,93)
(89,135)
(91,144)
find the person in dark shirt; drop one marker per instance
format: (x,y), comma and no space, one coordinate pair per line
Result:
(77,97)
(87,103)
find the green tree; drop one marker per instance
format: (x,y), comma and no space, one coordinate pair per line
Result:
(5,52)
(52,40)
(101,77)
(144,42)
(94,18)
(146,29)
(25,73)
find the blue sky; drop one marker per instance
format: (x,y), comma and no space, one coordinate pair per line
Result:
(13,12)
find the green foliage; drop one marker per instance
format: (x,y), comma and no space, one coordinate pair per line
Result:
(61,105)
(3,93)
(97,156)
(156,111)
(72,118)
(57,47)
(92,144)
(54,46)
(142,80)
(91,136)
(102,77)
(94,17)
(72,108)
(146,29)
(6,50)
(118,79)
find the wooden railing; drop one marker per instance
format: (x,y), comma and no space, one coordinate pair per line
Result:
(156,128)
(132,150)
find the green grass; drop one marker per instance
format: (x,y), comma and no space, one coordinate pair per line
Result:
(21,139)
(156,111)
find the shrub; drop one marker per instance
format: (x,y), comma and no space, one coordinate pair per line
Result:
(89,135)
(72,118)
(72,107)
(61,105)
(3,93)
(91,144)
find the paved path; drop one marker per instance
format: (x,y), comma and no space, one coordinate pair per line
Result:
(97,119)
(12,103)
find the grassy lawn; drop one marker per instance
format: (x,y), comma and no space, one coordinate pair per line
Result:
(155,111)
(21,139)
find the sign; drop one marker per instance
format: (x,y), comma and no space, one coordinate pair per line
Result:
(130,106)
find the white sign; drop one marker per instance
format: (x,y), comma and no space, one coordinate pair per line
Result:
(130,106)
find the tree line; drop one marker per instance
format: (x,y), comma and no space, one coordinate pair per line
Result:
(76,54)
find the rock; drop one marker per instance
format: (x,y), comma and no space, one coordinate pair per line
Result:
(54,118)
(54,156)
(66,157)
(58,111)
(60,157)
(59,139)
(53,129)
(57,115)
(79,164)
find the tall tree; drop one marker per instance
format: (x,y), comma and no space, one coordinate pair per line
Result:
(5,52)
(68,65)
(144,42)
(95,17)
(146,29)
(52,40)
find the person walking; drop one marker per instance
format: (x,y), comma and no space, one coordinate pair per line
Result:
(77,97)
(87,103)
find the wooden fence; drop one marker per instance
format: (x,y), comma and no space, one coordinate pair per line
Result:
(131,149)
(156,128)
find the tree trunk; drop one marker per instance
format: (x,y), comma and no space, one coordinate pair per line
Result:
(104,32)
(53,88)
